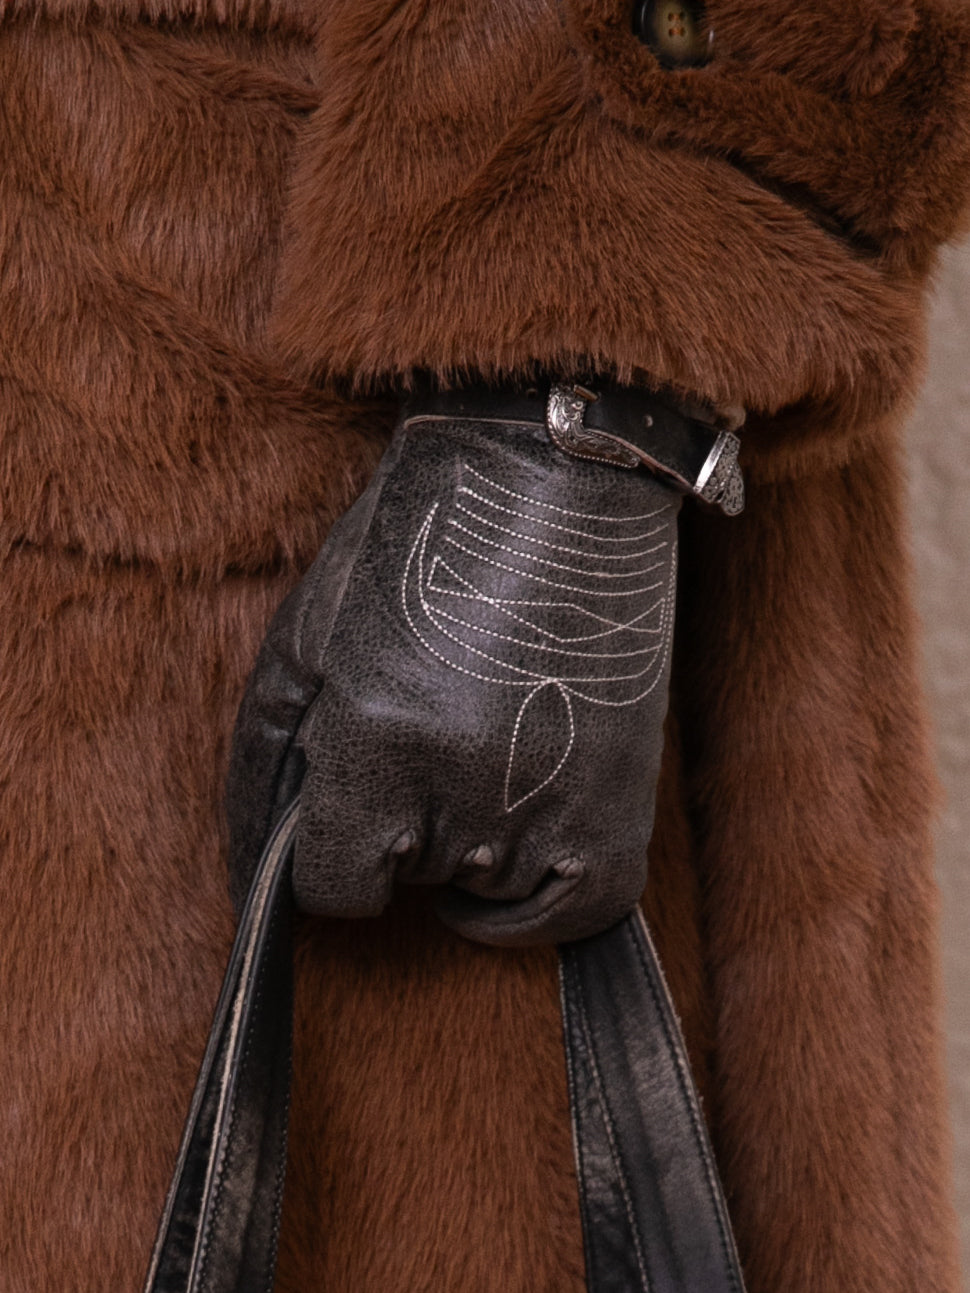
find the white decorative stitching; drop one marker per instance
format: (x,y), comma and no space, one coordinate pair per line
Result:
(509,532)
(422,538)
(502,603)
(474,595)
(562,511)
(554,525)
(540,646)
(432,614)
(515,737)
(444,618)
(558,565)
(555,583)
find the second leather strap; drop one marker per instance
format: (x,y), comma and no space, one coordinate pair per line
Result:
(654,1216)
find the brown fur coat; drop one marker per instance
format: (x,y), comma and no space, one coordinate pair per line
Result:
(227,229)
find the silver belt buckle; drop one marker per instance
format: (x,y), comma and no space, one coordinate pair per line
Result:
(568,431)
(720,481)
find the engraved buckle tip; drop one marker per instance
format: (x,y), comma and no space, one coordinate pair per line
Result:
(721,481)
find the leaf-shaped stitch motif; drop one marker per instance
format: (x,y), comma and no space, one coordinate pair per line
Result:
(541,742)
(518,592)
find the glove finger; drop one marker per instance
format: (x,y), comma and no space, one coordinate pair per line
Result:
(560,883)
(361,823)
(504,923)
(460,844)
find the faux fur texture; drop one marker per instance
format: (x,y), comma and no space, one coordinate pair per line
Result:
(811,796)
(755,231)
(140,208)
(204,209)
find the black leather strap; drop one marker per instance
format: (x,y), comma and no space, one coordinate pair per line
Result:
(654,1219)
(220,1224)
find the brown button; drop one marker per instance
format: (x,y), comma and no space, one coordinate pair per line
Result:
(678,33)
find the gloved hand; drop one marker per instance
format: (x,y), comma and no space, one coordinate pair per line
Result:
(470,683)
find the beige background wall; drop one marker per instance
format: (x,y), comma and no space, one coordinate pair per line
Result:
(940,495)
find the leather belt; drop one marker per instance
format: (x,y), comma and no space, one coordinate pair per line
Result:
(654,1218)
(625,426)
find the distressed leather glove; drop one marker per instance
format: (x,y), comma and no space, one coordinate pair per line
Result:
(470,683)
